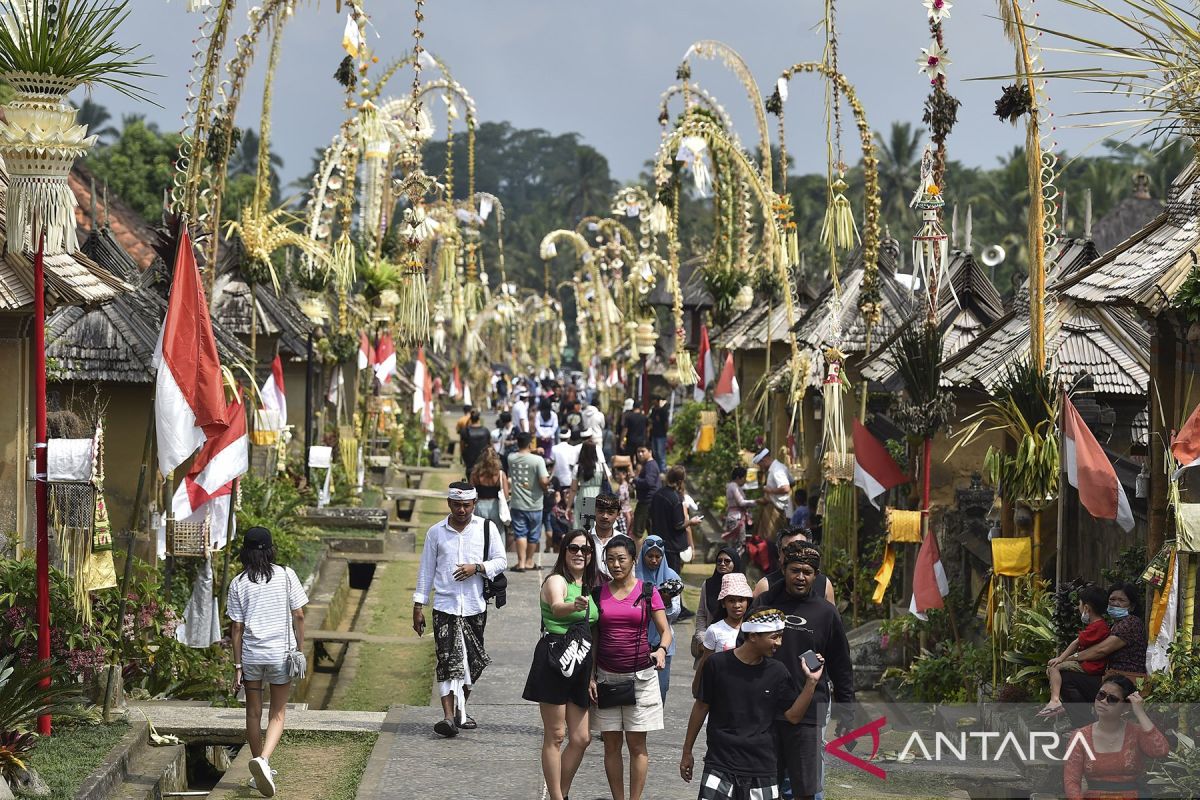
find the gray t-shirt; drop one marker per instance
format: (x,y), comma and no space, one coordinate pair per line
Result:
(525,471)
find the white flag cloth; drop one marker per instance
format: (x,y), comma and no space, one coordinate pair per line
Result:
(274,397)
(1156,653)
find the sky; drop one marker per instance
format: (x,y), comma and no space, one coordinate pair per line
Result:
(599,68)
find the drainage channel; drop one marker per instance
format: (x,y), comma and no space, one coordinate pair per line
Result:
(329,654)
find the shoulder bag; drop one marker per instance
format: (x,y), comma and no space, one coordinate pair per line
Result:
(612,694)
(295,663)
(493,588)
(571,649)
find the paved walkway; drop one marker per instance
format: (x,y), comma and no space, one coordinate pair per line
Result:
(501,758)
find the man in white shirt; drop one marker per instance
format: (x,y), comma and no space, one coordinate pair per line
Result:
(776,483)
(608,523)
(565,456)
(459,552)
(520,411)
(593,422)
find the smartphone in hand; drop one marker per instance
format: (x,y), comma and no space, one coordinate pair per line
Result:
(811,661)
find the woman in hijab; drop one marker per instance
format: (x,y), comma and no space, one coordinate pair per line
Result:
(711,610)
(652,568)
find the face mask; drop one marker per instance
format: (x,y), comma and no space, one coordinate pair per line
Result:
(1084,616)
(1118,613)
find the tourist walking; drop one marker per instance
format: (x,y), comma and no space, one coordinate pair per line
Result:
(460,552)
(738,509)
(772,583)
(776,485)
(491,484)
(634,424)
(475,440)
(812,624)
(528,480)
(266,603)
(520,410)
(591,474)
(660,421)
(652,569)
(670,521)
(644,486)
(710,610)
(606,525)
(722,635)
(741,693)
(545,426)
(561,672)
(625,686)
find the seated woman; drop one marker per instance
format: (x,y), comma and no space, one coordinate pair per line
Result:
(1092,603)
(1125,649)
(1121,739)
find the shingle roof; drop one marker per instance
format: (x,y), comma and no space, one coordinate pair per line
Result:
(276,314)
(691,282)
(115,341)
(1124,220)
(1147,269)
(749,330)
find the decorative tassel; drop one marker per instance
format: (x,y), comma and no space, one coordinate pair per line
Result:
(342,264)
(659,219)
(685,371)
(413,320)
(839,229)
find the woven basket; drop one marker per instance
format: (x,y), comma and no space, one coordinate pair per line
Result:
(189,539)
(838,470)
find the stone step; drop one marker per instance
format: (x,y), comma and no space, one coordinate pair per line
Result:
(235,779)
(157,771)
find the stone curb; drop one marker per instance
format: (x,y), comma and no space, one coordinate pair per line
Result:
(370,783)
(116,766)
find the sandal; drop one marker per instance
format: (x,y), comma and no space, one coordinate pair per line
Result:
(518,569)
(446,728)
(1050,711)
(466,723)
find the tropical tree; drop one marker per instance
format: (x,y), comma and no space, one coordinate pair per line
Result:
(899,168)
(96,117)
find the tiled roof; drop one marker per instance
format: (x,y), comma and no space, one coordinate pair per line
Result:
(277,314)
(135,234)
(749,330)
(1147,269)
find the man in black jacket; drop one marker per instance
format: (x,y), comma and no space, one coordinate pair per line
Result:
(812,624)
(475,439)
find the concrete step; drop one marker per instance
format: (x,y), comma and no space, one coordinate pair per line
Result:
(157,771)
(236,778)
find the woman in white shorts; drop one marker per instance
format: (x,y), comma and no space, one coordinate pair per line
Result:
(625,687)
(266,604)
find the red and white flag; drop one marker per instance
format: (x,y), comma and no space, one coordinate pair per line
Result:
(336,385)
(929,578)
(189,398)
(875,471)
(423,390)
(366,353)
(1185,447)
(728,394)
(274,398)
(1089,471)
(705,370)
(614,377)
(455,384)
(221,460)
(385,359)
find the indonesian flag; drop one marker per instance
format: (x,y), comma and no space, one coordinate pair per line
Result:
(875,471)
(455,383)
(1089,471)
(189,399)
(336,384)
(221,460)
(366,353)
(614,377)
(466,394)
(1185,447)
(929,579)
(728,394)
(385,359)
(705,370)
(423,390)
(274,397)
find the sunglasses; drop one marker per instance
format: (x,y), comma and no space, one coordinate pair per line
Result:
(575,549)
(725,561)
(1112,699)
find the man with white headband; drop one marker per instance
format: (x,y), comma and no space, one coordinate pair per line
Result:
(459,552)
(776,485)
(742,692)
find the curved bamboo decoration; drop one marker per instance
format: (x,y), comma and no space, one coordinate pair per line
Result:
(377,88)
(699,95)
(710,49)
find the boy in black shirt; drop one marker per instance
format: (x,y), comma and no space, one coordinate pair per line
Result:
(742,692)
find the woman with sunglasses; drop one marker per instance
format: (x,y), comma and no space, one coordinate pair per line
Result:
(1121,739)
(625,687)
(710,609)
(568,613)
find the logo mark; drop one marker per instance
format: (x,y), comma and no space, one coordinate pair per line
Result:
(837,747)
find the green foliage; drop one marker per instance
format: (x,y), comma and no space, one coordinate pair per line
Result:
(273,504)
(1127,568)
(1033,643)
(23,698)
(15,748)
(856,578)
(945,674)
(138,166)
(1181,682)
(709,472)
(73,39)
(1180,770)
(917,356)
(65,759)
(723,284)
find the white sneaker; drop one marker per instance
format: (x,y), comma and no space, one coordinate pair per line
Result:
(263,776)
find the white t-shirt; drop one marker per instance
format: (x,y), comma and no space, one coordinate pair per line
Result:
(565,456)
(265,609)
(778,476)
(520,415)
(720,636)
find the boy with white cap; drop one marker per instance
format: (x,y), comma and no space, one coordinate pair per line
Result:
(776,489)
(742,691)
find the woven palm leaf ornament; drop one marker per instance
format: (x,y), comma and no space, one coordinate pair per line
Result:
(931,245)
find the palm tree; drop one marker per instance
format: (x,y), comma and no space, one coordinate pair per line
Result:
(589,186)
(96,117)
(244,159)
(899,169)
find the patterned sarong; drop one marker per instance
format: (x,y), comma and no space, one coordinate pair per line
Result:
(717,785)
(459,643)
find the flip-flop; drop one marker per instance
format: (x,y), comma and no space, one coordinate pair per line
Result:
(518,569)
(445,728)
(1048,713)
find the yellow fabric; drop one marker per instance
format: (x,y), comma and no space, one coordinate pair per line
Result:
(1164,597)
(1012,556)
(884,576)
(706,437)
(903,526)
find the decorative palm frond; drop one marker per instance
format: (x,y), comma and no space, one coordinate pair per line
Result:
(265,234)
(72,39)
(23,699)
(917,356)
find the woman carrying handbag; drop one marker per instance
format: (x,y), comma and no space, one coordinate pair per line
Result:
(561,672)
(625,687)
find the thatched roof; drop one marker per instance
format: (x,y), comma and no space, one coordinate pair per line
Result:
(1146,269)
(276,314)
(115,341)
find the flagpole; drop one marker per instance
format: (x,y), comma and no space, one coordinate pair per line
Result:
(41,487)
(1060,534)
